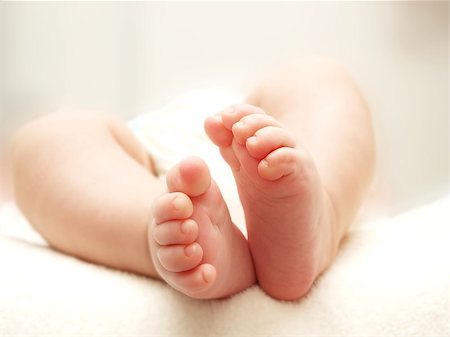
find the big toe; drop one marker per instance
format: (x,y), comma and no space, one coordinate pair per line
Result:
(217,132)
(191,176)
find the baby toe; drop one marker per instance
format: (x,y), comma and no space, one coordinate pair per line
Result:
(178,258)
(250,124)
(176,232)
(191,176)
(236,112)
(170,206)
(193,282)
(267,140)
(217,132)
(285,162)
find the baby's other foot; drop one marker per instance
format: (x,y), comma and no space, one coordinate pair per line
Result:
(193,243)
(288,214)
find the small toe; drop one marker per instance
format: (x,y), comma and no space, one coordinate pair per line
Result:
(267,140)
(280,163)
(250,124)
(170,206)
(191,176)
(176,232)
(234,113)
(178,258)
(194,282)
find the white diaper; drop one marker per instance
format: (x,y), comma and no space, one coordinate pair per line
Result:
(176,131)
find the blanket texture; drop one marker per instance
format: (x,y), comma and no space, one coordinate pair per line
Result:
(389,279)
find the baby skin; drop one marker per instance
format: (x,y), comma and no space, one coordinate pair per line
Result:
(301,151)
(197,248)
(194,245)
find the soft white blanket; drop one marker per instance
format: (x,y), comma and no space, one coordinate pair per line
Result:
(390,279)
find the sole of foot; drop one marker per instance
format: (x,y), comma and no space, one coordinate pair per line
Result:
(288,214)
(194,245)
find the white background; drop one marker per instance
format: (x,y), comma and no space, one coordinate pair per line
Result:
(125,58)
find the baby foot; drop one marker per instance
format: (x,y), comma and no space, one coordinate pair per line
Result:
(193,243)
(287,212)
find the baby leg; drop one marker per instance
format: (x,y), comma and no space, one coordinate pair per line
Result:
(302,156)
(85,183)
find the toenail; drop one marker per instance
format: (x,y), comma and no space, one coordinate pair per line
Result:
(178,203)
(190,250)
(240,124)
(265,163)
(205,277)
(252,139)
(186,225)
